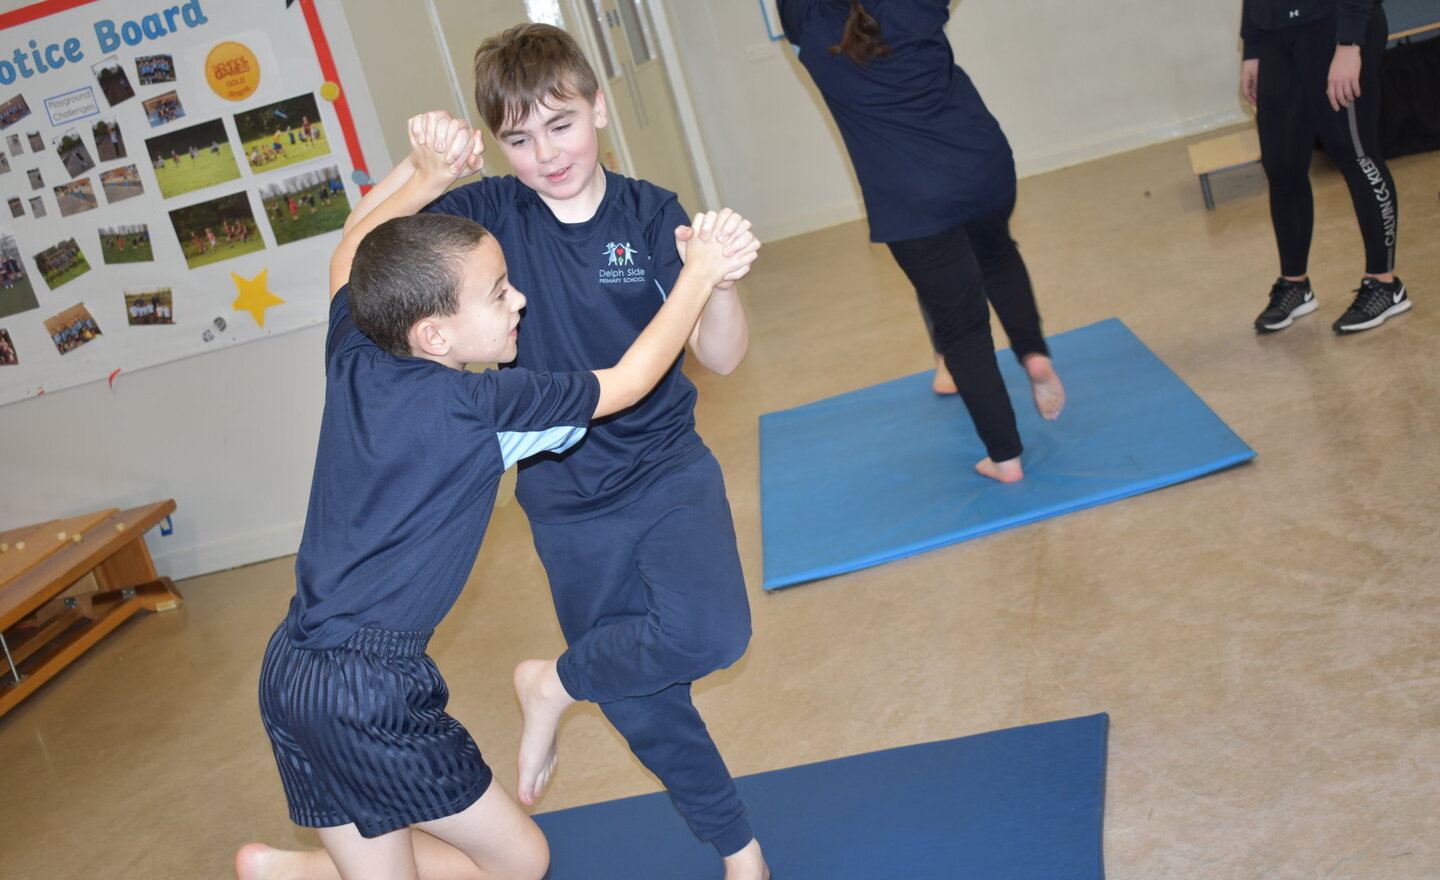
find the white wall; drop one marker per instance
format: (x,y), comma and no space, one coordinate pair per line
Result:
(231,435)
(1069,81)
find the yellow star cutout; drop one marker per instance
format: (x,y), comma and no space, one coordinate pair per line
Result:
(254,297)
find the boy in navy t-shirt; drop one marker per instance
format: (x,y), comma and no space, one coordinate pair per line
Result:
(632,524)
(412,447)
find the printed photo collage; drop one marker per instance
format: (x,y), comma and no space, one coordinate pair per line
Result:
(282,145)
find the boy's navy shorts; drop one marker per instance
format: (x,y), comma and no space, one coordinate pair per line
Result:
(360,733)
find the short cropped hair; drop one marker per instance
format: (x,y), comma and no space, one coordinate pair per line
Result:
(408,269)
(527,64)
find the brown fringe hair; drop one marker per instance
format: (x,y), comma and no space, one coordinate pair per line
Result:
(861,40)
(525,65)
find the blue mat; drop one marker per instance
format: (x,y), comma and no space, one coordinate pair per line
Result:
(1019,804)
(885,472)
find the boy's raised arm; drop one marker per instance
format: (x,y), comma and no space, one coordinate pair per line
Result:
(721,246)
(414,183)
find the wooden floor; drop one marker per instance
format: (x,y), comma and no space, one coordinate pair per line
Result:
(1264,639)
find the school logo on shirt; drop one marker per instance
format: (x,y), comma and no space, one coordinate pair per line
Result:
(620,265)
(620,254)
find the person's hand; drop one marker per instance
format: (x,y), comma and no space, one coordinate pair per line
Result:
(1343,86)
(443,148)
(1249,79)
(730,230)
(718,244)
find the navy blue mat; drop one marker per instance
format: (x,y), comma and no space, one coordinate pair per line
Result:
(885,472)
(1018,804)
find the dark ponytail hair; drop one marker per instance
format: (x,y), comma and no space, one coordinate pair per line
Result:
(861,40)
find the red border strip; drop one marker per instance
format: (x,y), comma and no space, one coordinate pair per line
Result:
(45,8)
(27,14)
(327,70)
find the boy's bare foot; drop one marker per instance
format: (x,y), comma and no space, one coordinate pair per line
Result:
(256,861)
(543,699)
(943,383)
(747,864)
(1007,471)
(1045,385)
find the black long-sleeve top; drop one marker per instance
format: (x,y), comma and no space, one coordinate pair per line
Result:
(1266,16)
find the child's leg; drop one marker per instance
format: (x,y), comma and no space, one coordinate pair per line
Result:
(948,280)
(651,594)
(496,835)
(651,597)
(434,860)
(667,734)
(387,857)
(1007,287)
(942,383)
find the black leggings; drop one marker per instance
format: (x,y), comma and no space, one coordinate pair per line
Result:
(1292,110)
(955,272)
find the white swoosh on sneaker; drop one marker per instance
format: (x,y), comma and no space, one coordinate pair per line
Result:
(1399,295)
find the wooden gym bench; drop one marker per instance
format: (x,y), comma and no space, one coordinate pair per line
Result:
(1224,153)
(65,584)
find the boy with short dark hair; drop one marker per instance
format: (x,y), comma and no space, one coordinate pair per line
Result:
(412,447)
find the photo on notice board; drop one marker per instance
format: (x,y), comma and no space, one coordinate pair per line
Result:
(154,69)
(75,197)
(163,108)
(17,207)
(13,143)
(126,244)
(37,206)
(9,357)
(217,230)
(4,163)
(109,142)
(37,141)
(13,110)
(72,328)
(149,306)
(121,183)
(62,263)
(73,153)
(113,81)
(282,133)
(307,204)
(17,294)
(192,158)
(37,181)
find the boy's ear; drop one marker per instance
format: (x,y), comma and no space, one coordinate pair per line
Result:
(602,112)
(428,336)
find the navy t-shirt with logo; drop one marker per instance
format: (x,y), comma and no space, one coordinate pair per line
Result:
(928,154)
(591,288)
(410,455)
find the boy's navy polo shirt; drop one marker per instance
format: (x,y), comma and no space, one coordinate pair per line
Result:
(590,289)
(1262,17)
(410,455)
(928,155)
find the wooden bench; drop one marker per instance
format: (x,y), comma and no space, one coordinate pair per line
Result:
(1224,153)
(65,584)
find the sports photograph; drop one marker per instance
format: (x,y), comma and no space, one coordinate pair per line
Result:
(217,230)
(192,158)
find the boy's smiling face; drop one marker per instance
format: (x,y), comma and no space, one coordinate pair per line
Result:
(555,151)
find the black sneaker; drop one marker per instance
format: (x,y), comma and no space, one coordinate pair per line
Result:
(1375,303)
(1288,301)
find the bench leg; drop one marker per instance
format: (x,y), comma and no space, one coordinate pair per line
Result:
(1205,189)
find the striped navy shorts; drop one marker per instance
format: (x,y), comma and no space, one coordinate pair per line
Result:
(361,735)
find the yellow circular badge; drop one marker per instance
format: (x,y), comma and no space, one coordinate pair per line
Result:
(330,91)
(233,71)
